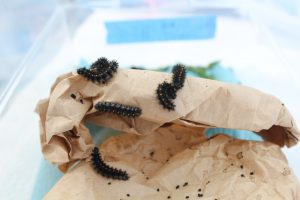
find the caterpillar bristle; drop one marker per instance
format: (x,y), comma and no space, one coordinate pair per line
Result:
(105,170)
(100,64)
(118,109)
(101,71)
(114,65)
(179,74)
(80,70)
(168,90)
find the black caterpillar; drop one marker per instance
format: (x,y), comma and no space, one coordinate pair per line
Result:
(100,71)
(166,92)
(179,74)
(105,170)
(119,109)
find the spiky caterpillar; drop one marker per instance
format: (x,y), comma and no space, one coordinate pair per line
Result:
(118,109)
(179,74)
(100,71)
(105,170)
(165,94)
(169,90)
(102,65)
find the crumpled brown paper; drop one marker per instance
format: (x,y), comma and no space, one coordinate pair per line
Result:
(220,168)
(202,103)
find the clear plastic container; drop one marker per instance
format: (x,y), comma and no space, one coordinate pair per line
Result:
(76,34)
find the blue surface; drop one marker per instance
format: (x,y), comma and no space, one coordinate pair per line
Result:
(239,134)
(46,178)
(183,28)
(84,63)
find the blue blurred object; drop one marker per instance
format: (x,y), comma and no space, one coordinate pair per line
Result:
(195,28)
(83,63)
(221,73)
(46,178)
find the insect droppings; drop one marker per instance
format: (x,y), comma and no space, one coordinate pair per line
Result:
(239,155)
(185,184)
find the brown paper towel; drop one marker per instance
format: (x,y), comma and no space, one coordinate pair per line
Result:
(221,168)
(201,103)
